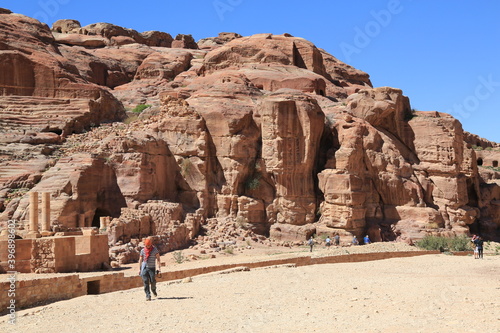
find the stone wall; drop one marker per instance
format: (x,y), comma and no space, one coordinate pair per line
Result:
(23,255)
(57,254)
(97,255)
(168,220)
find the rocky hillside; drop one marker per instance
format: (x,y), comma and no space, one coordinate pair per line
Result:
(267,131)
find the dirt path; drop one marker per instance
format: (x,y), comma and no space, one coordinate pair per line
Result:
(433,293)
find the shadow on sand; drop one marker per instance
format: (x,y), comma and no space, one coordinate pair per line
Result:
(164,298)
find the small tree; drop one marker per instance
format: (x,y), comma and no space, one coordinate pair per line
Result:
(139,108)
(179,257)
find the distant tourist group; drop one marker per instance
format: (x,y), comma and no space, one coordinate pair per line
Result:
(336,241)
(477,242)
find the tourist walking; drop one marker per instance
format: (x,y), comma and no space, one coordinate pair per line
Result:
(311,243)
(355,241)
(328,241)
(147,269)
(336,239)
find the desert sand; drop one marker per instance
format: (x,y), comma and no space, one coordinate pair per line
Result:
(430,293)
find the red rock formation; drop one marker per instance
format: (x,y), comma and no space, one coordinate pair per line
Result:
(66,26)
(291,126)
(266,49)
(34,73)
(184,42)
(268,131)
(226,103)
(157,38)
(215,42)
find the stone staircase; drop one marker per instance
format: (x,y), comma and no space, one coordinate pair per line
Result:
(21,174)
(29,113)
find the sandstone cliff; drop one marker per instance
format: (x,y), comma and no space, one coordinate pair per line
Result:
(267,130)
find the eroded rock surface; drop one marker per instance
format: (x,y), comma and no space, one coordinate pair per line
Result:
(264,133)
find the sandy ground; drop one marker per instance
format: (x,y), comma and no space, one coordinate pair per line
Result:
(259,252)
(431,293)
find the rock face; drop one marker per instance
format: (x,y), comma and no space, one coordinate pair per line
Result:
(184,42)
(40,90)
(215,42)
(292,125)
(266,132)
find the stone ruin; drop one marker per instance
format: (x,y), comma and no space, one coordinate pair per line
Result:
(79,246)
(50,252)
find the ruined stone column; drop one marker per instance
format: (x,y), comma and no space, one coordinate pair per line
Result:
(33,231)
(33,211)
(46,229)
(45,211)
(104,223)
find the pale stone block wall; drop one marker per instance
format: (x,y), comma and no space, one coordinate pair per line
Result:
(64,254)
(82,245)
(57,254)
(98,254)
(23,255)
(29,292)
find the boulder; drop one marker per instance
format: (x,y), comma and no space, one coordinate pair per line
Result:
(287,232)
(66,26)
(80,40)
(157,38)
(384,108)
(215,42)
(184,42)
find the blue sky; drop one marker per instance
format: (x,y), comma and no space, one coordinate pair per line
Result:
(442,54)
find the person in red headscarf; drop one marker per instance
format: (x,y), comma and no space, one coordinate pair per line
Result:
(147,269)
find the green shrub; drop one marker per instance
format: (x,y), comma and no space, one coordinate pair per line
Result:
(497,169)
(253,183)
(433,243)
(16,193)
(460,243)
(139,108)
(179,257)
